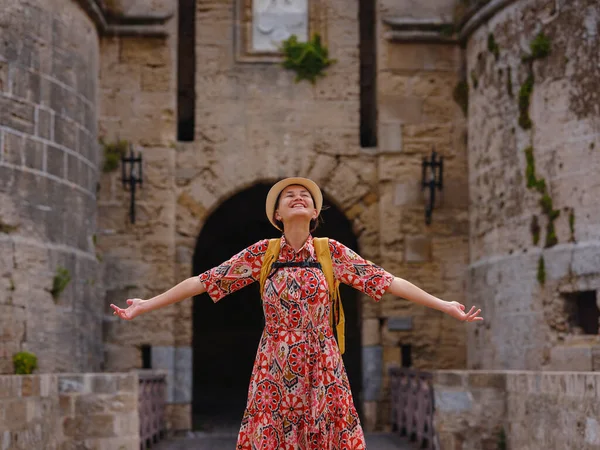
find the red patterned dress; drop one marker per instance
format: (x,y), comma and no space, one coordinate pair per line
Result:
(299,396)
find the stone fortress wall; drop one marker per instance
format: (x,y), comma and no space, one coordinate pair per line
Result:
(254,124)
(534,218)
(49,58)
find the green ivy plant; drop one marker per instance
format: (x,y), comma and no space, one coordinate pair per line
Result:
(308,59)
(112,154)
(60,282)
(24,363)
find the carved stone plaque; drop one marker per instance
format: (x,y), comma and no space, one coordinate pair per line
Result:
(274,21)
(262,25)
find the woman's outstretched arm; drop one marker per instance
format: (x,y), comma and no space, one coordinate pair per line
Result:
(186,289)
(407,290)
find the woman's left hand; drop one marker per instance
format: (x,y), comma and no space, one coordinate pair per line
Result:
(457,311)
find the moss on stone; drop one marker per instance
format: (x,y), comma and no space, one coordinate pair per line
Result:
(461,95)
(112,154)
(540,46)
(60,282)
(524,100)
(492,46)
(535,230)
(7,229)
(572,225)
(541,271)
(546,203)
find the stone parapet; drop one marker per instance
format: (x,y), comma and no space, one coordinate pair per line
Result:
(517,409)
(54,412)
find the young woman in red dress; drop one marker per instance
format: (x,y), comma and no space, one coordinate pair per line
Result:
(299,396)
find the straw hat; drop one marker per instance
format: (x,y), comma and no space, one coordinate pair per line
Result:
(281,185)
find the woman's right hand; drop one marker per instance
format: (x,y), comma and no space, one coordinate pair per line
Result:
(134,309)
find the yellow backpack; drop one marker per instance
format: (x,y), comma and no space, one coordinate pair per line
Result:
(324,258)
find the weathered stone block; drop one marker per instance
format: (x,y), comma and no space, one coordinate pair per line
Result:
(400,109)
(55,161)
(25,84)
(372,358)
(370,332)
(13,148)
(17,114)
(572,358)
(104,384)
(74,383)
(417,249)
(453,401)
(65,132)
(183,377)
(390,137)
(148,51)
(34,154)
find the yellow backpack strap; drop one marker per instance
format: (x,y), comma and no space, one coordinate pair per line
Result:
(337,310)
(270,257)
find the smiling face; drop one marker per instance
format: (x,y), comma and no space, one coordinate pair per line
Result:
(295,203)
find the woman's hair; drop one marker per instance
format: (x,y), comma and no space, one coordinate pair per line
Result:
(314,223)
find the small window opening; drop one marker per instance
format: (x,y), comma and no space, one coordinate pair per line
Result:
(186,71)
(368,72)
(406,353)
(146,356)
(583,312)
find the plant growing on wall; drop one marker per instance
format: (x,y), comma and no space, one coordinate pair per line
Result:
(60,282)
(308,59)
(112,154)
(24,363)
(461,96)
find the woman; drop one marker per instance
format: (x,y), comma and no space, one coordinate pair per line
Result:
(299,395)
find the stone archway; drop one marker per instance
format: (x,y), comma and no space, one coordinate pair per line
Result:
(226,334)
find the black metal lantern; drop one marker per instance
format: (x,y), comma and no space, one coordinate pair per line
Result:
(131,167)
(432,179)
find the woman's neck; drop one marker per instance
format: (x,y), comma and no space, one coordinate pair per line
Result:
(296,235)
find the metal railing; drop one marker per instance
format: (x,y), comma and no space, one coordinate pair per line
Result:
(151,406)
(412,406)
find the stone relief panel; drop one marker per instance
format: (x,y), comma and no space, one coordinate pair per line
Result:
(274,21)
(262,25)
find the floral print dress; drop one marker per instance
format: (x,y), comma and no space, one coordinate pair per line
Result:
(299,396)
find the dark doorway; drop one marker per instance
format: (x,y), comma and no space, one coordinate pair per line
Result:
(226,334)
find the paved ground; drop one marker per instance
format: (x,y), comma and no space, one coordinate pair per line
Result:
(227,440)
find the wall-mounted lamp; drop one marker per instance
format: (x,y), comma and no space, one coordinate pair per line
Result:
(131,176)
(432,180)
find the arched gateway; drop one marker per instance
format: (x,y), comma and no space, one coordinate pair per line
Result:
(226,334)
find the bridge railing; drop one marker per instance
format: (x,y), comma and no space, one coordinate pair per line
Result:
(151,406)
(412,406)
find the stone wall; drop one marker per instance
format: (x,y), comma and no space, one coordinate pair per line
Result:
(54,412)
(255,124)
(137,105)
(527,256)
(417,114)
(517,410)
(48,171)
